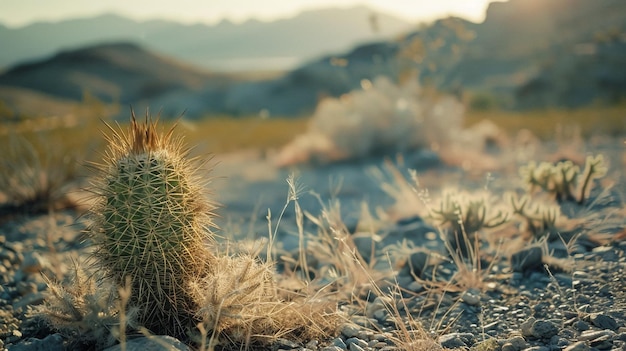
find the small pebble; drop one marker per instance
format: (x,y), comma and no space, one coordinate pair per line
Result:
(350,330)
(517,343)
(381,315)
(286,344)
(577,346)
(351,342)
(453,340)
(333,348)
(537,348)
(590,335)
(526,327)
(543,329)
(603,321)
(312,344)
(581,325)
(339,343)
(355,347)
(471,298)
(509,347)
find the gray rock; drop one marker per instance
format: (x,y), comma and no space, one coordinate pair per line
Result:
(577,346)
(355,347)
(558,341)
(362,321)
(517,343)
(52,342)
(364,335)
(376,305)
(603,321)
(312,344)
(381,315)
(592,335)
(340,343)
(350,330)
(332,348)
(152,343)
(603,343)
(544,329)
(537,348)
(456,340)
(527,259)
(282,343)
(581,325)
(352,342)
(526,327)
(471,298)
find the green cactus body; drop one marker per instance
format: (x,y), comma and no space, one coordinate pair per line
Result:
(151,222)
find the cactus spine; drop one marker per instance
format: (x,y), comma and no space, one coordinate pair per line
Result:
(151,222)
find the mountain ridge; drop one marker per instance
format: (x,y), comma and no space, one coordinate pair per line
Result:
(204,44)
(518,58)
(112,72)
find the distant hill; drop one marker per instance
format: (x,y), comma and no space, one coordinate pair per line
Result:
(526,54)
(251,45)
(117,72)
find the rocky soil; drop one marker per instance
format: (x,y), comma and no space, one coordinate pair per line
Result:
(565,292)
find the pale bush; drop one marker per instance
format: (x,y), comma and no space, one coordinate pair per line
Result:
(380,118)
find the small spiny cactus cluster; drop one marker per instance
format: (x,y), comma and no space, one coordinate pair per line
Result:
(468,214)
(562,179)
(539,220)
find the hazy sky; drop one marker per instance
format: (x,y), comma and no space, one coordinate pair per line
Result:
(20,12)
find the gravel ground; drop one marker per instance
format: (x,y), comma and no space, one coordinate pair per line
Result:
(557,295)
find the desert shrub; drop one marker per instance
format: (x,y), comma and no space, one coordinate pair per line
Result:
(382,117)
(33,174)
(85,312)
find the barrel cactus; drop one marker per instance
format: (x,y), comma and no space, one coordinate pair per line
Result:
(151,223)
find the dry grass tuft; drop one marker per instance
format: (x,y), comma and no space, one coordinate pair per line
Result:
(34,175)
(84,310)
(241,305)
